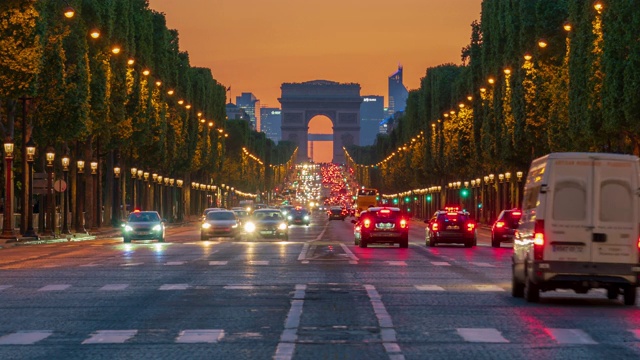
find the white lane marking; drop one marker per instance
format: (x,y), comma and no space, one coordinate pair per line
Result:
(636,333)
(387,330)
(353,262)
(570,336)
(239,287)
(482,335)
(114,287)
(304,262)
(174,287)
(259,263)
(322,233)
(483,264)
(25,337)
(352,256)
(396,263)
(90,264)
(110,336)
(5,287)
(429,288)
(200,336)
(131,264)
(489,288)
(303,252)
(218,263)
(54,287)
(287,344)
(440,263)
(174,263)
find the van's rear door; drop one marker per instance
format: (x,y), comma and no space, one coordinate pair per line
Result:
(568,219)
(615,216)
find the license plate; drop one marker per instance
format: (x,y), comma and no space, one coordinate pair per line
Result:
(575,249)
(143,233)
(385,234)
(453,227)
(267,232)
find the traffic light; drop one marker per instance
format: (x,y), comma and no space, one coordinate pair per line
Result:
(407,199)
(429,198)
(395,201)
(464,193)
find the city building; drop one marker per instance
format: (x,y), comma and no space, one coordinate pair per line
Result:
(398,93)
(371,114)
(236,113)
(270,122)
(251,106)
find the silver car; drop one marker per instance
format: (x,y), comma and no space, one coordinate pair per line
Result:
(144,225)
(220,223)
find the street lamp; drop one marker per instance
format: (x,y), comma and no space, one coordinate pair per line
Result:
(7,227)
(97,211)
(116,197)
(134,172)
(31,152)
(80,198)
(51,213)
(65,199)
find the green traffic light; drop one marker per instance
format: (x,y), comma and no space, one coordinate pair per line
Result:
(464,192)
(395,201)
(428,197)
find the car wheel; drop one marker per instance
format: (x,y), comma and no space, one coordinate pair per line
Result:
(404,242)
(468,243)
(629,294)
(127,240)
(355,241)
(517,288)
(161,239)
(531,291)
(494,243)
(203,237)
(432,241)
(363,243)
(612,293)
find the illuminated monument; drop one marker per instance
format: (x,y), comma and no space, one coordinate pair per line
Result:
(339,102)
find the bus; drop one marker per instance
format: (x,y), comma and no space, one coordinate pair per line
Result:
(366,198)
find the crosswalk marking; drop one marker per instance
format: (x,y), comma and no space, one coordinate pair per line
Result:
(483,264)
(440,263)
(174,287)
(131,264)
(59,287)
(110,336)
(218,263)
(429,288)
(488,288)
(174,263)
(260,263)
(114,287)
(484,335)
(239,287)
(5,287)
(396,263)
(200,336)
(25,337)
(90,265)
(570,336)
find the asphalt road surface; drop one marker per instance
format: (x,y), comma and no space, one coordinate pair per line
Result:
(317,296)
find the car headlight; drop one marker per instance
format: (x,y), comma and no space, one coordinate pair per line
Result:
(234,226)
(290,217)
(128,228)
(206,225)
(157,227)
(306,217)
(249,227)
(282,226)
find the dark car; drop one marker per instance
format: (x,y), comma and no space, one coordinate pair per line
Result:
(286,209)
(382,225)
(266,223)
(504,229)
(299,216)
(451,226)
(220,223)
(337,213)
(144,225)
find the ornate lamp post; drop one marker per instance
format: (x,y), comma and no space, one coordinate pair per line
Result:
(145,191)
(172,197)
(509,190)
(65,199)
(139,191)
(154,180)
(501,189)
(31,151)
(7,227)
(116,197)
(51,213)
(179,183)
(134,172)
(519,176)
(97,212)
(160,192)
(492,197)
(80,198)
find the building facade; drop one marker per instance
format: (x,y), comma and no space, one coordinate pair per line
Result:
(371,114)
(236,113)
(251,106)
(270,122)
(398,93)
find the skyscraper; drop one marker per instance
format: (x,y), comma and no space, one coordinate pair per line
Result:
(236,113)
(371,113)
(398,94)
(270,122)
(251,106)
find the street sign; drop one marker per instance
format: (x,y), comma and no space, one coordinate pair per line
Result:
(39,183)
(60,185)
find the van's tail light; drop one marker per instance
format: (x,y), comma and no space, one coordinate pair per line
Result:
(434,227)
(471,226)
(366,223)
(538,240)
(499,224)
(403,223)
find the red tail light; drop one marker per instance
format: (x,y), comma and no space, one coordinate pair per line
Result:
(471,226)
(500,224)
(434,227)
(538,240)
(385,211)
(367,223)
(403,223)
(516,213)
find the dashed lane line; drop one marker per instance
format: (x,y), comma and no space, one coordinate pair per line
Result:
(287,344)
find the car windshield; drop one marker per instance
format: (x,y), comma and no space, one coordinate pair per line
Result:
(453,217)
(143,217)
(220,215)
(266,215)
(385,214)
(299,212)
(510,219)
(241,213)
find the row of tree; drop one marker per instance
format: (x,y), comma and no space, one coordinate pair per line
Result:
(538,76)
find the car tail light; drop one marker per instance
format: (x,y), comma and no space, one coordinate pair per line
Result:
(471,226)
(434,227)
(517,213)
(385,211)
(366,223)
(403,223)
(538,240)
(500,224)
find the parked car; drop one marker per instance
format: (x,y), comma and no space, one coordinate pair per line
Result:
(451,226)
(220,223)
(266,223)
(143,225)
(505,227)
(381,225)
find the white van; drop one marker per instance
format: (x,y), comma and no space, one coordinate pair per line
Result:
(580,226)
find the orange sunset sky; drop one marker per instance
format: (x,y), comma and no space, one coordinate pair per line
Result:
(256,45)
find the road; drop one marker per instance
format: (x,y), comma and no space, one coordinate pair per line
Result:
(315,297)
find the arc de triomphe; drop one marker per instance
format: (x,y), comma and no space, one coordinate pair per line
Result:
(339,102)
